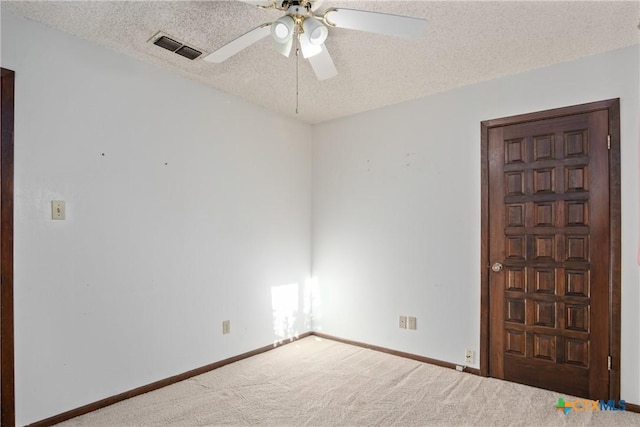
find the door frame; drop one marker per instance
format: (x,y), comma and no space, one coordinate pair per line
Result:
(615,254)
(7,380)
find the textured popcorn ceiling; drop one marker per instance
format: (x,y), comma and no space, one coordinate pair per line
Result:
(465,43)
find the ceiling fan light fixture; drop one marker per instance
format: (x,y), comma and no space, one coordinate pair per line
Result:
(283,48)
(316,31)
(308,49)
(282,29)
(311,29)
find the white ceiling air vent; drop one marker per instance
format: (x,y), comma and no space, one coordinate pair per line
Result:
(171,43)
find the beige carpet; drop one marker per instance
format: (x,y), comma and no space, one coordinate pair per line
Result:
(316,382)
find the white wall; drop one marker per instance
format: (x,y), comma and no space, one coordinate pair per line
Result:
(396,216)
(134,285)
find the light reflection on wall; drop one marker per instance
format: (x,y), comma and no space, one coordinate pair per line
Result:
(293,308)
(312,303)
(285,303)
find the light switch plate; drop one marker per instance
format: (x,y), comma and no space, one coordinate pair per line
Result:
(57,209)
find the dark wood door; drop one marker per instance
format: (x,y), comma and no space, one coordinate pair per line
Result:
(549,253)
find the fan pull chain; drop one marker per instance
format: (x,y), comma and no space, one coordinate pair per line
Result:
(297,75)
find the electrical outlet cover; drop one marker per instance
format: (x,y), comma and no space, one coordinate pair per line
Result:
(413,323)
(468,355)
(403,322)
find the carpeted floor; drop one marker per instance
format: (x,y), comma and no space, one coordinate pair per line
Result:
(317,382)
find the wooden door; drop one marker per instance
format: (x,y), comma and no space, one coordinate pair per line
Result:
(549,252)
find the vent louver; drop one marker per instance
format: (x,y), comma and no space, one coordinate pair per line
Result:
(175,46)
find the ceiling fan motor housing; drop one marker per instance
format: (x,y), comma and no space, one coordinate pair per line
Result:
(304,4)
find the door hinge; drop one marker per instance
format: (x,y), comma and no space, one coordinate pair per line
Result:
(609,362)
(608,142)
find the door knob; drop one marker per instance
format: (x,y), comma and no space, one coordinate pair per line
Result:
(497,267)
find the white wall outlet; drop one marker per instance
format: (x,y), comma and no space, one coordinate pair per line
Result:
(468,356)
(403,322)
(413,323)
(57,209)
(226,327)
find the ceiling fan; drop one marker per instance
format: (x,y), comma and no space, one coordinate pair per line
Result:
(310,29)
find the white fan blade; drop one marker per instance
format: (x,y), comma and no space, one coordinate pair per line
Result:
(374,22)
(315,5)
(242,42)
(283,48)
(322,65)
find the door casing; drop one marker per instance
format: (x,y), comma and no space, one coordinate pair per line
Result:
(615,253)
(7,393)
